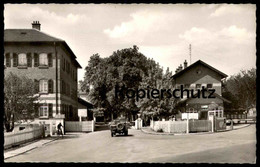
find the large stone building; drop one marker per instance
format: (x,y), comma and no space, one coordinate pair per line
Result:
(51,63)
(194,77)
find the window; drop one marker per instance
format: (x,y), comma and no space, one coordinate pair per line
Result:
(43,86)
(43,111)
(29,60)
(198,86)
(43,59)
(187,86)
(36,60)
(68,90)
(7,60)
(63,64)
(75,75)
(67,67)
(209,85)
(15,60)
(63,87)
(36,86)
(22,59)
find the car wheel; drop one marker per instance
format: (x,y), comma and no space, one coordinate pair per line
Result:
(112,134)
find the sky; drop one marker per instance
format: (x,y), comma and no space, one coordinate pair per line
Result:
(222,35)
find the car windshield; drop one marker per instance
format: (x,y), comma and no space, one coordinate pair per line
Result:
(120,120)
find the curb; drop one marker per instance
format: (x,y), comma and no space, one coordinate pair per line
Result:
(30,149)
(20,153)
(201,133)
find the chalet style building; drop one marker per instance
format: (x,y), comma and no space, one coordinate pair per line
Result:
(51,63)
(194,77)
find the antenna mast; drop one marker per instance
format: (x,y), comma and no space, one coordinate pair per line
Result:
(190,52)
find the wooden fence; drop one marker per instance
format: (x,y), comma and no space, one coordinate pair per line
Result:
(76,126)
(181,126)
(200,126)
(23,136)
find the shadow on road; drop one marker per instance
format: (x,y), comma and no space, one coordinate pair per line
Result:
(69,136)
(124,135)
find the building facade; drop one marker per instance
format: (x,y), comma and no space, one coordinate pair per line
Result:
(195,77)
(52,65)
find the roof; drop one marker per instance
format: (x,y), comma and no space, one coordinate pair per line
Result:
(34,35)
(196,63)
(28,35)
(85,103)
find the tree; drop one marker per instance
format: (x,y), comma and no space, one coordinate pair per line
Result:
(240,89)
(130,69)
(19,99)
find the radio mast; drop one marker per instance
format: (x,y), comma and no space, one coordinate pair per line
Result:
(190,52)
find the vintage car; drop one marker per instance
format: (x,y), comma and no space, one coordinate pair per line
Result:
(120,126)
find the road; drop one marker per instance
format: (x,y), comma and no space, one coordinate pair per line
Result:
(237,146)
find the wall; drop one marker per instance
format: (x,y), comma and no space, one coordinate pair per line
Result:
(169,126)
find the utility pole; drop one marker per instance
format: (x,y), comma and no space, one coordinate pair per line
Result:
(190,52)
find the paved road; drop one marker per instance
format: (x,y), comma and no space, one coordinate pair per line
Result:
(238,146)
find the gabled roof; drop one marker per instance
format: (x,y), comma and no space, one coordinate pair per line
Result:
(85,103)
(196,63)
(34,35)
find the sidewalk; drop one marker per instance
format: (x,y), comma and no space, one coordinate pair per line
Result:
(28,147)
(148,130)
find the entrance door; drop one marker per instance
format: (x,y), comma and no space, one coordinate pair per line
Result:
(203,115)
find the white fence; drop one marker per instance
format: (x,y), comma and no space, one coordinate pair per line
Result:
(23,136)
(181,126)
(169,126)
(75,126)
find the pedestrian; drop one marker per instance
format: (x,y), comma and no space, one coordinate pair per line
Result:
(60,129)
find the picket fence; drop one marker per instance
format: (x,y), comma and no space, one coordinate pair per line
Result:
(76,126)
(19,137)
(181,126)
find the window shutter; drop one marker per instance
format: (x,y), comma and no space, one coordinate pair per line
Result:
(36,59)
(29,60)
(7,60)
(36,86)
(15,59)
(36,110)
(50,59)
(50,86)
(64,88)
(50,105)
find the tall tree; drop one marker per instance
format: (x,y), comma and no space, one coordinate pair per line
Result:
(241,89)
(130,69)
(19,99)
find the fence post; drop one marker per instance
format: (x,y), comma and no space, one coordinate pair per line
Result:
(93,125)
(187,131)
(231,125)
(169,126)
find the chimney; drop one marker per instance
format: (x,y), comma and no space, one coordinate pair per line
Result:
(180,67)
(36,25)
(185,64)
